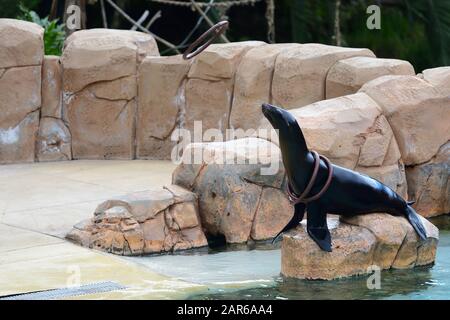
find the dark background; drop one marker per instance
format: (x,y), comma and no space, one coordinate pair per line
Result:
(413,30)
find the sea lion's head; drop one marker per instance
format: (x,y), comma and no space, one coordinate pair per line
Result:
(283,121)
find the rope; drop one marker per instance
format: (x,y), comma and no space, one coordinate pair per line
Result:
(204,4)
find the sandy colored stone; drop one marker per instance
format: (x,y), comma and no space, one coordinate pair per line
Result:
(418,113)
(230,187)
(389,232)
(51,87)
(150,221)
(100,128)
(273,213)
(103,54)
(438,77)
(20,94)
(208,103)
(348,75)
(253,84)
(300,72)
(353,249)
(17,144)
(429,184)
(22,43)
(358,243)
(161,99)
(219,61)
(124,88)
(349,130)
(53,141)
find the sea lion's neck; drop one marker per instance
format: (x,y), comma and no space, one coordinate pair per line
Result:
(298,164)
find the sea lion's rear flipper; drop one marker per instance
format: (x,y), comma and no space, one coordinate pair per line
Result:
(414,219)
(299,212)
(317,227)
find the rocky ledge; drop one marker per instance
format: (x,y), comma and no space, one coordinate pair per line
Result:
(359,244)
(144,222)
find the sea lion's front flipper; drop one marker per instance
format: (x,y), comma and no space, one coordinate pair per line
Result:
(299,212)
(317,227)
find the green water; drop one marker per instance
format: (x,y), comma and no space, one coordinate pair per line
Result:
(254,273)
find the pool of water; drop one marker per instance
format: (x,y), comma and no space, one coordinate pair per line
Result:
(254,273)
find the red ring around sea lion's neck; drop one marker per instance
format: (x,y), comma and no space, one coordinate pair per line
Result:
(302,198)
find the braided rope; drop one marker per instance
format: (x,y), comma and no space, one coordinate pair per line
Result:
(204,4)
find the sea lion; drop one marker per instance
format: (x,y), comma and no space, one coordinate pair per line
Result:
(349,193)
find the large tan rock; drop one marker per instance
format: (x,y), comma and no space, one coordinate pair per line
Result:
(300,72)
(100,128)
(208,103)
(53,141)
(438,77)
(359,244)
(209,89)
(236,199)
(103,54)
(17,143)
(20,94)
(418,113)
(253,84)
(20,99)
(161,99)
(219,61)
(51,87)
(21,42)
(353,133)
(429,184)
(348,75)
(145,222)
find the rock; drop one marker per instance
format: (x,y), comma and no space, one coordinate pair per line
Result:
(208,104)
(253,84)
(20,100)
(438,77)
(100,72)
(161,100)
(53,141)
(145,222)
(219,61)
(348,75)
(359,243)
(51,87)
(353,133)
(17,143)
(20,94)
(417,112)
(22,43)
(235,199)
(300,72)
(103,54)
(100,128)
(209,89)
(429,184)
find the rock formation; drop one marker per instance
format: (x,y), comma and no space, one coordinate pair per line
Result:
(141,223)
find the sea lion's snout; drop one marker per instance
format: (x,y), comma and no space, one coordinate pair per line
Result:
(270,112)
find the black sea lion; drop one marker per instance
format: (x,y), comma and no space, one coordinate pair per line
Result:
(349,193)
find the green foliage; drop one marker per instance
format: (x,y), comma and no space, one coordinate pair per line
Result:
(11,8)
(54,33)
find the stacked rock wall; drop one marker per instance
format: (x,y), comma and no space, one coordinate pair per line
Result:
(21,56)
(111,96)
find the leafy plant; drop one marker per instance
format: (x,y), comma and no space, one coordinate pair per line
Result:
(54,33)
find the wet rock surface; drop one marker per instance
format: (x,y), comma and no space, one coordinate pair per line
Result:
(360,244)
